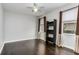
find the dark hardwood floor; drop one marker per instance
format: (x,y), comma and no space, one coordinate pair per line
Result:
(34,47)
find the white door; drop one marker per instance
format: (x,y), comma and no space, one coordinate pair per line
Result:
(69,19)
(68,35)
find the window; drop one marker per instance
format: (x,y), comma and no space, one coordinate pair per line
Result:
(69,21)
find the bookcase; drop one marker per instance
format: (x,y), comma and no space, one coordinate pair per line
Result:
(51,32)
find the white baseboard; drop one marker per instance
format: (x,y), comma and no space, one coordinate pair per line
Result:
(1,48)
(17,40)
(43,39)
(68,47)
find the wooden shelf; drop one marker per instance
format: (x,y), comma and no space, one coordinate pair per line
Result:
(51,31)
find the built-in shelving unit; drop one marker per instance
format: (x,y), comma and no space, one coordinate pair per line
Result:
(51,32)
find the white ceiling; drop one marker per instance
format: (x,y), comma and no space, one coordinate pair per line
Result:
(22,7)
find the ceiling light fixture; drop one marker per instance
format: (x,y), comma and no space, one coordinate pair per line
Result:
(35,8)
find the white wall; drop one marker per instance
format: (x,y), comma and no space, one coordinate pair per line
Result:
(1,28)
(54,14)
(19,26)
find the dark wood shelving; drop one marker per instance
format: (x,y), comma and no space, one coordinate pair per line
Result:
(51,40)
(50,31)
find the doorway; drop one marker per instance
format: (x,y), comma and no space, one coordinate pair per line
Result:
(42,28)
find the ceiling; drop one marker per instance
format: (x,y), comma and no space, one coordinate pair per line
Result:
(22,7)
